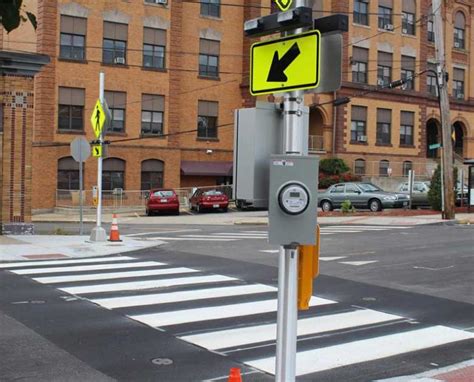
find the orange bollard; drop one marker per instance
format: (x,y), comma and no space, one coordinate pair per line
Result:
(114,231)
(234,375)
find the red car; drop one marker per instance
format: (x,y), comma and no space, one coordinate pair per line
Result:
(162,201)
(210,199)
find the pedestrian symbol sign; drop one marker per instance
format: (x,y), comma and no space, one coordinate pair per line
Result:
(287,64)
(98,119)
(97,151)
(284,4)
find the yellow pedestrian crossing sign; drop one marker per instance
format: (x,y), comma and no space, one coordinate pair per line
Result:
(286,64)
(97,151)
(284,5)
(98,119)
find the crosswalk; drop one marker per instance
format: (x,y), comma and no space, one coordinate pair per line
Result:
(235,318)
(260,235)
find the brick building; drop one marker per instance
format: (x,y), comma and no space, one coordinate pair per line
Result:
(176,70)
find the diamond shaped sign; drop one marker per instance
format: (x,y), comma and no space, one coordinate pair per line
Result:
(284,4)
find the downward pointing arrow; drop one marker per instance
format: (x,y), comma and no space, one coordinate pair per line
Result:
(277,70)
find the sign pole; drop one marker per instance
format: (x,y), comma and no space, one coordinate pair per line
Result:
(287,316)
(81,224)
(98,233)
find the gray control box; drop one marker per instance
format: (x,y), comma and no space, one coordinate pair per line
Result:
(293,199)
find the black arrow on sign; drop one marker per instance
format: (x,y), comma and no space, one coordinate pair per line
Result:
(277,70)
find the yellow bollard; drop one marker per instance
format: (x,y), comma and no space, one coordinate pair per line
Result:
(308,270)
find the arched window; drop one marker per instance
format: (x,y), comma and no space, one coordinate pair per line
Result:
(113,174)
(384,166)
(152,174)
(68,174)
(459,31)
(407,166)
(359,167)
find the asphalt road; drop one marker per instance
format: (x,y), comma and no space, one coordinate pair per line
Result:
(390,301)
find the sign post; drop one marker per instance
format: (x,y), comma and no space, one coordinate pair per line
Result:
(80,151)
(98,119)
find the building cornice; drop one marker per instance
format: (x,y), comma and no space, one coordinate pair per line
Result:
(19,63)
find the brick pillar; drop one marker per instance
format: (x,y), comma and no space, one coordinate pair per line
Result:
(47,39)
(15,154)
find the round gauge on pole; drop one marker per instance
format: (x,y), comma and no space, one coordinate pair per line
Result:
(293,198)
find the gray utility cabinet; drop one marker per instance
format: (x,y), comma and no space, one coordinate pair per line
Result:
(258,133)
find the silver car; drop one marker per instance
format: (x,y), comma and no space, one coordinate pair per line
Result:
(361,195)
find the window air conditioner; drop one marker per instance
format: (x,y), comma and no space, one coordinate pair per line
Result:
(460,96)
(161,1)
(380,82)
(405,31)
(362,138)
(388,27)
(119,60)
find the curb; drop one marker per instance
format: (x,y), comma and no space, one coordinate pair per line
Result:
(246,222)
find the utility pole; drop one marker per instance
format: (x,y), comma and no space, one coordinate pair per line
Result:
(98,232)
(447,157)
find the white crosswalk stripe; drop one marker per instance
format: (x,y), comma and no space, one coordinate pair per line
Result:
(236,319)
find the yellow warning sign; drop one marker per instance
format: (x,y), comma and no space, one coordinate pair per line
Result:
(284,4)
(290,63)
(97,151)
(98,119)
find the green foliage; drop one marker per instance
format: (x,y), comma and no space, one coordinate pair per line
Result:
(12,15)
(333,166)
(434,194)
(346,207)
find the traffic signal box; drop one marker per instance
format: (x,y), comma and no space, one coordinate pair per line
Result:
(308,270)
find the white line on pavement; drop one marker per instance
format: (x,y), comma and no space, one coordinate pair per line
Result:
(39,263)
(191,239)
(162,232)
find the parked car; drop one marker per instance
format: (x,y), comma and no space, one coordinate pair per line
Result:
(208,200)
(361,195)
(162,200)
(419,196)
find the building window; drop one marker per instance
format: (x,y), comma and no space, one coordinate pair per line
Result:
(408,17)
(430,27)
(459,31)
(117,102)
(68,174)
(73,38)
(211,8)
(458,83)
(407,167)
(115,43)
(358,124)
(152,174)
(153,107)
(360,58)
(361,12)
(113,174)
(71,109)
(384,166)
(207,119)
(384,126)
(359,167)
(209,58)
(407,121)
(154,44)
(432,80)
(384,69)
(408,72)
(385,14)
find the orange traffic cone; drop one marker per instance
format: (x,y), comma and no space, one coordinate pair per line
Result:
(234,375)
(114,231)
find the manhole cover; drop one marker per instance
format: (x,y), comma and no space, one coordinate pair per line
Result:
(162,361)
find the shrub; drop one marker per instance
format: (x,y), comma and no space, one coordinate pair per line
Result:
(434,194)
(326,181)
(333,166)
(346,207)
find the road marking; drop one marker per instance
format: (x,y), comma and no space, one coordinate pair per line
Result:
(110,276)
(367,350)
(240,234)
(80,268)
(223,237)
(326,231)
(57,262)
(190,239)
(216,312)
(261,333)
(358,263)
(149,284)
(162,232)
(433,269)
(332,258)
(270,250)
(164,298)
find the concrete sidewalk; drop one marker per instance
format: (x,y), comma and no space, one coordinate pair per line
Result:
(49,247)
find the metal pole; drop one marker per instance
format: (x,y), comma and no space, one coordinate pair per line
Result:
(98,233)
(410,188)
(287,317)
(81,225)
(447,158)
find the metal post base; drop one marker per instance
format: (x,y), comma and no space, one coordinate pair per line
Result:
(98,234)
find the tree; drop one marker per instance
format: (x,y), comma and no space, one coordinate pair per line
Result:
(12,14)
(434,194)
